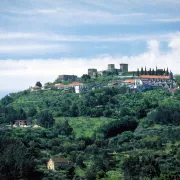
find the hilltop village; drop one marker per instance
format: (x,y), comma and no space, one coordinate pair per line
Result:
(110,124)
(135,81)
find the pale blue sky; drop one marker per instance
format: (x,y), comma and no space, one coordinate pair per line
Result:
(84,30)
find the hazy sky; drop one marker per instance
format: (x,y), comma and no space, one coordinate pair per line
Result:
(40,39)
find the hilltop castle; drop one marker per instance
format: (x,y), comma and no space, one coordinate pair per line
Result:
(110,69)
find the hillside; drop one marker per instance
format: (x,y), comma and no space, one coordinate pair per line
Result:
(106,133)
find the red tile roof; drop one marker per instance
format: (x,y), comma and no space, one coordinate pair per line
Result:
(153,77)
(59,85)
(75,84)
(36,87)
(129,81)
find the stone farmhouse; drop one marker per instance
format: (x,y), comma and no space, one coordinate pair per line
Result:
(24,124)
(58,163)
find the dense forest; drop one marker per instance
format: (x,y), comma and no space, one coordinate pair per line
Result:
(106,133)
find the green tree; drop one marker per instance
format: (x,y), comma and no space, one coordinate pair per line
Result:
(74,111)
(150,72)
(156,72)
(21,114)
(16,160)
(6,100)
(177,79)
(136,167)
(63,128)
(153,72)
(145,72)
(167,72)
(32,112)
(164,71)
(138,73)
(38,84)
(85,77)
(46,119)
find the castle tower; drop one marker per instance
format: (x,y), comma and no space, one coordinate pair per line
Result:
(92,72)
(111,67)
(124,67)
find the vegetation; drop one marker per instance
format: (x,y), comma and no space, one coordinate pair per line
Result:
(38,84)
(107,134)
(153,72)
(177,78)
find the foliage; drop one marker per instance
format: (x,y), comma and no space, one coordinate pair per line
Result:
(113,128)
(38,84)
(85,77)
(140,167)
(6,100)
(167,113)
(63,128)
(46,119)
(16,160)
(105,132)
(177,79)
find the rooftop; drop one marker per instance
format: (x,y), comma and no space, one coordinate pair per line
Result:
(75,84)
(59,85)
(129,81)
(153,77)
(36,87)
(60,160)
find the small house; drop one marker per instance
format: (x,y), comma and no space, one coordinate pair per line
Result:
(36,88)
(58,163)
(22,123)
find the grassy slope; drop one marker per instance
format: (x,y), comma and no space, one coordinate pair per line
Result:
(85,126)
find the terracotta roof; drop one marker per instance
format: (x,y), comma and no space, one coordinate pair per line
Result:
(129,81)
(153,77)
(36,87)
(59,85)
(72,84)
(60,160)
(75,84)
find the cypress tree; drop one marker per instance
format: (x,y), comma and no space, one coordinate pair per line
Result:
(150,72)
(138,72)
(156,73)
(167,72)
(142,71)
(145,71)
(153,72)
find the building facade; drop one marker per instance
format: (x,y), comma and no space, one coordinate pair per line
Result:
(111,68)
(67,77)
(123,67)
(58,163)
(22,123)
(92,72)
